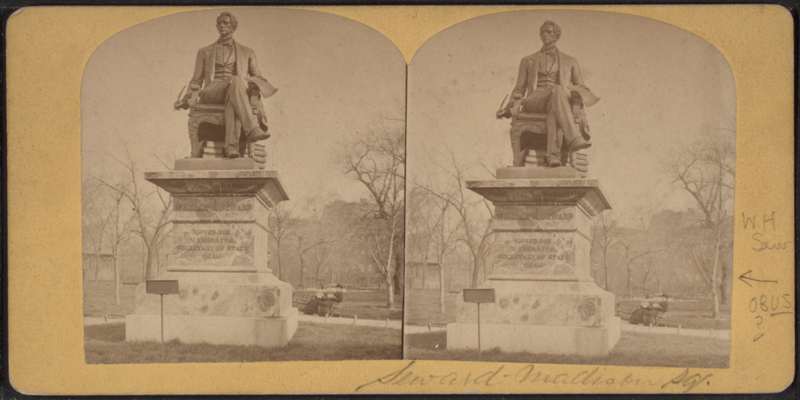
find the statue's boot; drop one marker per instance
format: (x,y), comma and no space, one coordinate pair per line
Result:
(579,144)
(257,134)
(553,162)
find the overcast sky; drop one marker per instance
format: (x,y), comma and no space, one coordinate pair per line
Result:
(334,77)
(660,87)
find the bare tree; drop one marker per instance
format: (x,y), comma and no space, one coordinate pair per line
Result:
(476,232)
(419,231)
(322,255)
(706,171)
(151,209)
(604,234)
(281,226)
(631,255)
(377,160)
(644,244)
(121,225)
(445,240)
(307,238)
(443,232)
(113,225)
(95,220)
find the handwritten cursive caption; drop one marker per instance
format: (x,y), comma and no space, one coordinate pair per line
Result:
(767,302)
(526,375)
(764,240)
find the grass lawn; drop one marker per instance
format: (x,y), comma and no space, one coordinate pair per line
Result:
(422,308)
(105,344)
(98,299)
(694,314)
(367,305)
(633,349)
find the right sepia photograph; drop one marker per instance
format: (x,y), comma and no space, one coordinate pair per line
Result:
(570,193)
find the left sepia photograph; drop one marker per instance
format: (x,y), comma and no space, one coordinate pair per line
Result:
(243,190)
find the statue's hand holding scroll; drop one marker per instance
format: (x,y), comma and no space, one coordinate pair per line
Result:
(503,112)
(181,102)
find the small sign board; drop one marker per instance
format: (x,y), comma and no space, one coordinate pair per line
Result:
(479,295)
(162,287)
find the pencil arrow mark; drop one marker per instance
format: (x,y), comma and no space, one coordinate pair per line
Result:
(746,276)
(758,337)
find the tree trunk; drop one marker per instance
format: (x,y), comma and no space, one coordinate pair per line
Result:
(475,271)
(390,270)
(152,265)
(390,302)
(715,314)
(116,281)
(144,261)
(630,277)
(725,286)
(398,281)
(399,272)
(441,288)
(302,272)
(278,259)
(714,280)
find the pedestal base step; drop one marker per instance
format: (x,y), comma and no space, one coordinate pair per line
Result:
(534,172)
(201,164)
(536,339)
(259,331)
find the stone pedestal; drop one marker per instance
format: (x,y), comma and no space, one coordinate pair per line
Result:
(545,300)
(218,254)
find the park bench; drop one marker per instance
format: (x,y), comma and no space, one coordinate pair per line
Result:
(335,310)
(300,301)
(626,311)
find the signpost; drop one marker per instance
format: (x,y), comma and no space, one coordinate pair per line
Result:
(162,288)
(479,296)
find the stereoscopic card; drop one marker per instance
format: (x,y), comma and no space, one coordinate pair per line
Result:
(348,200)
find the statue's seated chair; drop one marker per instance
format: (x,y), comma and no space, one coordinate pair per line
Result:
(529,138)
(207,128)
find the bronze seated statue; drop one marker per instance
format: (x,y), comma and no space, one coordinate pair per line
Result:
(529,137)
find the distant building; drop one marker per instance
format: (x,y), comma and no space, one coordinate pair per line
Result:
(98,267)
(421,275)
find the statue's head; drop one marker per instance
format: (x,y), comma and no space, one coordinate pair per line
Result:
(550,32)
(226,24)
